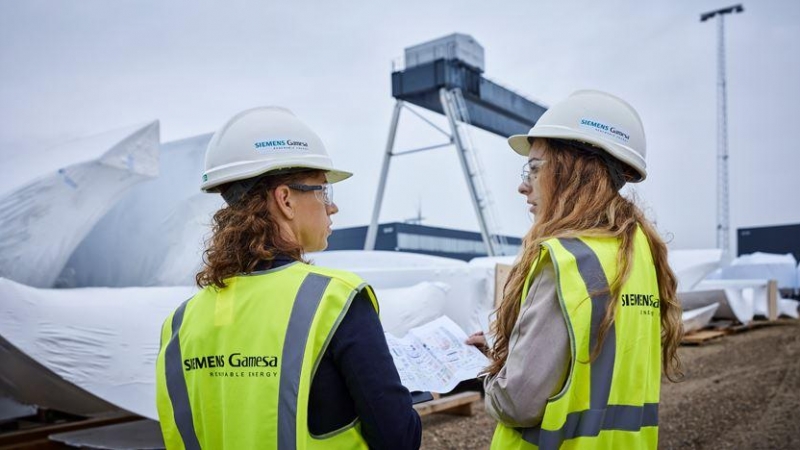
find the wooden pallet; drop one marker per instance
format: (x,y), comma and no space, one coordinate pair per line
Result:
(702,336)
(459,404)
(739,327)
(722,328)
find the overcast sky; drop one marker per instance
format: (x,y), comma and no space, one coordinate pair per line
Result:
(70,69)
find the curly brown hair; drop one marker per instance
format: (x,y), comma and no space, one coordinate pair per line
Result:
(580,199)
(246,235)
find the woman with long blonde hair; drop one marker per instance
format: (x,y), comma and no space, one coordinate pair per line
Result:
(589,315)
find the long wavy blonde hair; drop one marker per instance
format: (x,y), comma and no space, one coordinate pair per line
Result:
(245,234)
(578,199)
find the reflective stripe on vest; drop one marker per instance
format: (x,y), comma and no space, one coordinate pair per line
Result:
(176,384)
(304,309)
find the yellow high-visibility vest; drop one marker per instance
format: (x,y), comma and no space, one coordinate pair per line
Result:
(611,402)
(236,364)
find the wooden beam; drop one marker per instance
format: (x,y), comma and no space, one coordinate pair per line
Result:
(772,300)
(702,336)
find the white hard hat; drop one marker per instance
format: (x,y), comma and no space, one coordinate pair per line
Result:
(595,118)
(262,140)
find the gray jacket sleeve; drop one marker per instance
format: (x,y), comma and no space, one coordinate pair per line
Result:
(538,358)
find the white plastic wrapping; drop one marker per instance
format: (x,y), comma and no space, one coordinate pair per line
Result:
(50,202)
(11,409)
(402,309)
(733,305)
(469,300)
(379,259)
(751,292)
(154,236)
(99,343)
(492,261)
(788,307)
(768,266)
(692,266)
(697,319)
(25,380)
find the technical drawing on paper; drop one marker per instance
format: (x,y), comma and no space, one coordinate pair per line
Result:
(433,357)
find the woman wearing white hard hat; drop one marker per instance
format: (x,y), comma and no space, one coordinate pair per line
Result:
(589,315)
(274,352)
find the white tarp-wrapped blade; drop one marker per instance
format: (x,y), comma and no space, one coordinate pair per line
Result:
(691,266)
(767,266)
(733,304)
(164,222)
(402,309)
(492,261)
(83,350)
(788,307)
(50,202)
(12,409)
(380,259)
(468,301)
(697,319)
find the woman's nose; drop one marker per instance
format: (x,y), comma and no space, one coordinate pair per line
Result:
(523,188)
(332,209)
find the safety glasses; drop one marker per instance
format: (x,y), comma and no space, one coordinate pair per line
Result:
(530,171)
(323,192)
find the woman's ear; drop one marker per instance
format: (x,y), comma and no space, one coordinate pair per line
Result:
(284,202)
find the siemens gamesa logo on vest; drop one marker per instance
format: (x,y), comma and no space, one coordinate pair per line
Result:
(640,300)
(648,304)
(281,144)
(234,360)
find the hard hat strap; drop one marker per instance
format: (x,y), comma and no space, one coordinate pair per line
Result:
(616,170)
(237,190)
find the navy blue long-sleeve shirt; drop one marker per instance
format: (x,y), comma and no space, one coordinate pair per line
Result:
(356,378)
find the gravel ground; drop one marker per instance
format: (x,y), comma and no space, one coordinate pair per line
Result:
(739,391)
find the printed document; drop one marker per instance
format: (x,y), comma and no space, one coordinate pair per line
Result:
(433,357)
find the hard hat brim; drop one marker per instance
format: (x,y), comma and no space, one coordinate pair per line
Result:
(335,176)
(520,143)
(231,173)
